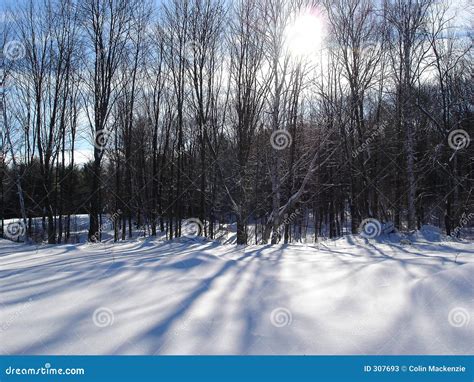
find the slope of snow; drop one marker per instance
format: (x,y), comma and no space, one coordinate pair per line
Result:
(348,296)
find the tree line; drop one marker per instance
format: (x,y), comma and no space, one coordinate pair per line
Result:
(202,110)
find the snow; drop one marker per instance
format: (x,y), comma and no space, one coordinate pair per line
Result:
(192,296)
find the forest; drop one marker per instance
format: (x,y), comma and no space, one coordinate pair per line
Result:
(292,118)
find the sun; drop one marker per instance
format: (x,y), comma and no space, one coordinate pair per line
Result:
(305,34)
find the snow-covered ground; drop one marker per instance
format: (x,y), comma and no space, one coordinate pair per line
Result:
(347,296)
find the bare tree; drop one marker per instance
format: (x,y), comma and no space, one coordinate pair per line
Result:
(107,23)
(250,83)
(409,48)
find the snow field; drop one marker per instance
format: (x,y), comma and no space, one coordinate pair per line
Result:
(347,296)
